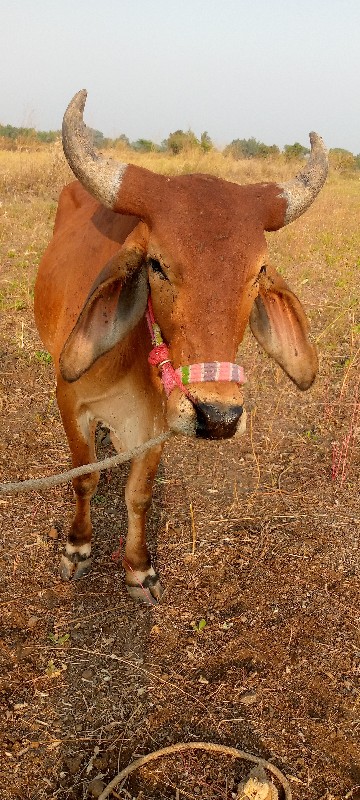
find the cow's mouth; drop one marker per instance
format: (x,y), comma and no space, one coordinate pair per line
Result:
(214,422)
(205,420)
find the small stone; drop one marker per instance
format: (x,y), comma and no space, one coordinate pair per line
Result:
(248,698)
(50,598)
(101,762)
(32,621)
(76,635)
(96,787)
(23,653)
(257,787)
(87,674)
(53,533)
(155,630)
(74,764)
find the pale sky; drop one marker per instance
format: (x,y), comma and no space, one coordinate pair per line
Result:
(272,69)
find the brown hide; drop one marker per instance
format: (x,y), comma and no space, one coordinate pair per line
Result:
(86,236)
(208,237)
(211,249)
(197,244)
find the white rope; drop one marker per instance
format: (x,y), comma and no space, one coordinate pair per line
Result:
(35,484)
(209,746)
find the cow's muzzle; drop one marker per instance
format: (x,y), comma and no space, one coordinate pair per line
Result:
(207,417)
(215,422)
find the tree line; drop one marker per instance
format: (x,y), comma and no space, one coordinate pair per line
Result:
(13,138)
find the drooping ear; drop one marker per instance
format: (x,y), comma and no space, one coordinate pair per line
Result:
(279,324)
(115,304)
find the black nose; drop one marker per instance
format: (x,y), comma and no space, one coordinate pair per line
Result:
(216,422)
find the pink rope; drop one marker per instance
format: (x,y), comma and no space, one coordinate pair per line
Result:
(193,373)
(160,357)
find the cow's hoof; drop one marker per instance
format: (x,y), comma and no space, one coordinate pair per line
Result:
(147,588)
(82,568)
(66,568)
(75,564)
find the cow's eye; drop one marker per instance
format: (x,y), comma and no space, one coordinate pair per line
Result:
(156,267)
(263,270)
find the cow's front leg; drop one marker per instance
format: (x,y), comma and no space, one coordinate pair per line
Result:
(76,559)
(141,579)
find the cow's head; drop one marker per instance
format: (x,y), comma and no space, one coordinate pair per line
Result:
(201,242)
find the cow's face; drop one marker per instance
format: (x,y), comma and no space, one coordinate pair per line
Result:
(209,274)
(201,243)
(204,268)
(204,276)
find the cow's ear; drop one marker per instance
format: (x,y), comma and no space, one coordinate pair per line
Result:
(114,306)
(279,324)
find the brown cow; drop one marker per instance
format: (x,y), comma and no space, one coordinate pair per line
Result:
(197,245)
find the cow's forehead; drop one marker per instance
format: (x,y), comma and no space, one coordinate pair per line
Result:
(199,195)
(204,219)
(194,258)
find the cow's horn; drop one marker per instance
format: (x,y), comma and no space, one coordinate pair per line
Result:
(301,191)
(101,177)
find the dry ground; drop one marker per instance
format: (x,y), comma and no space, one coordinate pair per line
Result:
(89,680)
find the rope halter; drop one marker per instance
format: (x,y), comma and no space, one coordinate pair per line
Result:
(192,373)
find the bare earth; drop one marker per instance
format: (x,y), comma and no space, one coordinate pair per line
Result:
(88,679)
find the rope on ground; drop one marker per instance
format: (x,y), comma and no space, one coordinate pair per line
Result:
(210,746)
(35,484)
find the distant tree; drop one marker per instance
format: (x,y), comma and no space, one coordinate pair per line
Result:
(179,141)
(250,148)
(143,146)
(48,136)
(121,140)
(10,132)
(342,160)
(99,140)
(241,148)
(267,150)
(175,141)
(205,142)
(12,138)
(295,150)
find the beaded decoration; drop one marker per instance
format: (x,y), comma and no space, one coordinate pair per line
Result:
(192,373)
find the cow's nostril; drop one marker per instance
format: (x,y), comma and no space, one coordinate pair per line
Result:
(216,422)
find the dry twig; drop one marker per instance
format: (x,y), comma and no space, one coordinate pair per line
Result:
(210,747)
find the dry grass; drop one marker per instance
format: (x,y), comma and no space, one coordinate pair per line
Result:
(46,169)
(212,163)
(37,173)
(267,556)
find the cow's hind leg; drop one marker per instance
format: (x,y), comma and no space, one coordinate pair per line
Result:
(141,579)
(80,432)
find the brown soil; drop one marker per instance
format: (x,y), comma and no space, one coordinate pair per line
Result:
(89,680)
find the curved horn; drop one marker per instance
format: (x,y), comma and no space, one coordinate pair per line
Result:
(102,178)
(301,191)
